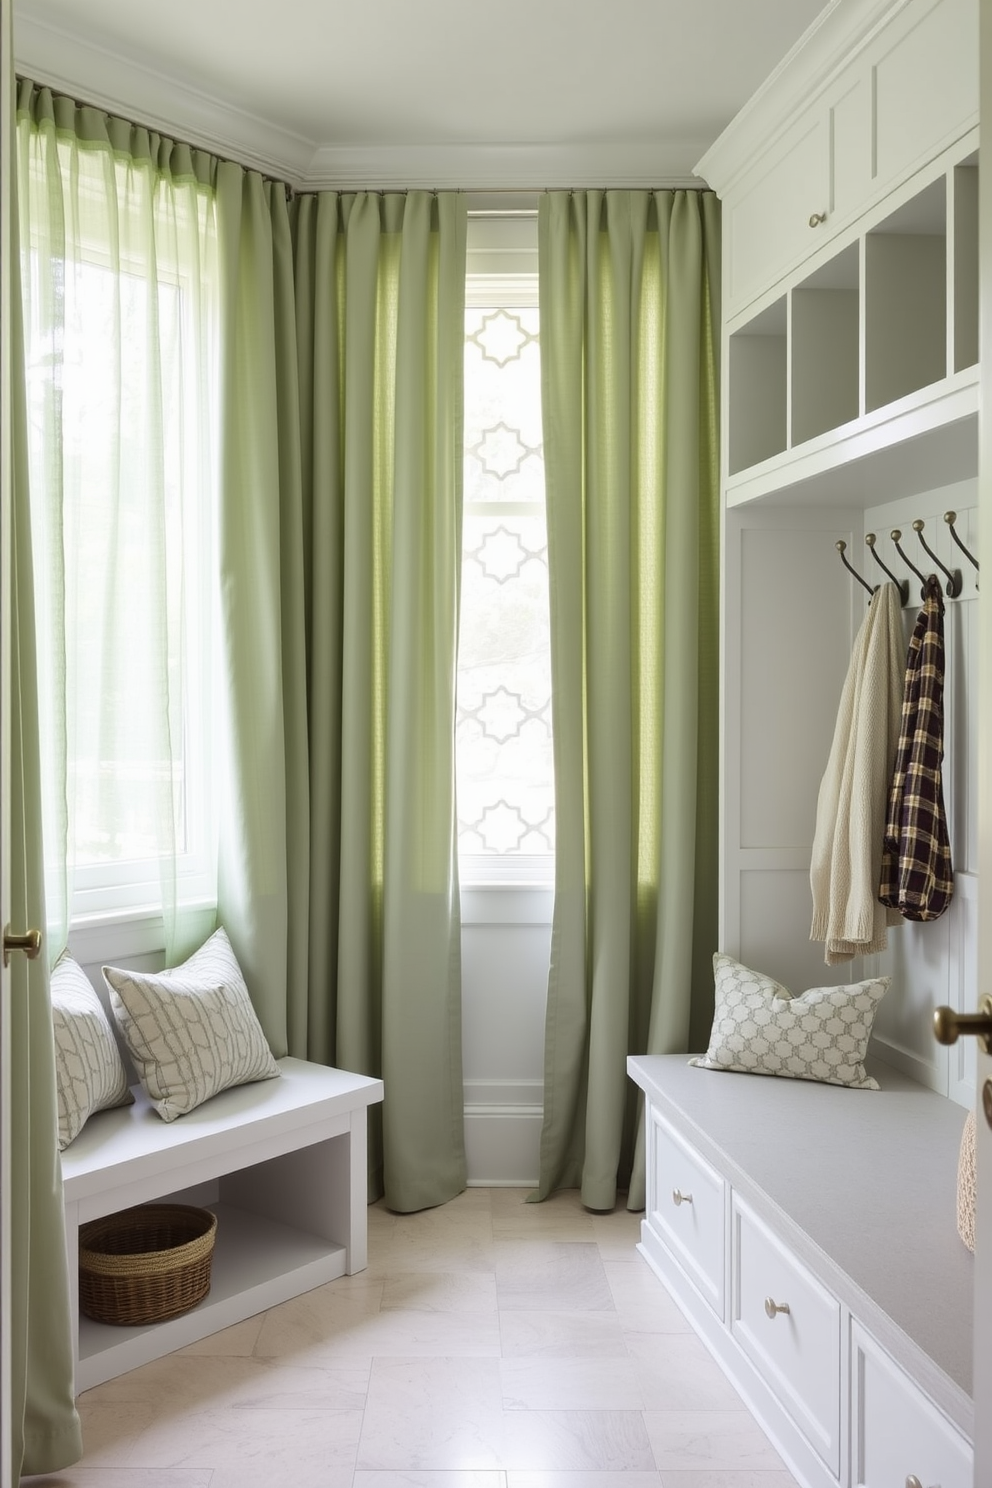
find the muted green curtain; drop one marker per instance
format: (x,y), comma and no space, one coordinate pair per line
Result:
(629,284)
(44,1430)
(380,283)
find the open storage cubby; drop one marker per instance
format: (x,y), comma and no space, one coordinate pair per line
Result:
(871,349)
(759,380)
(906,299)
(825,378)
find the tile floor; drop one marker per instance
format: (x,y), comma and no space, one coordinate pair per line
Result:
(490,1344)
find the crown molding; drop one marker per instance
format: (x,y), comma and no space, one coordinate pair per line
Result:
(82,69)
(504,167)
(841,30)
(119,84)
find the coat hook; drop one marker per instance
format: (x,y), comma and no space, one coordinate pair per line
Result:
(950,517)
(841,547)
(901,584)
(953,586)
(895,535)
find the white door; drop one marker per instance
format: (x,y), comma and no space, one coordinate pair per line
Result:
(983,1256)
(6,112)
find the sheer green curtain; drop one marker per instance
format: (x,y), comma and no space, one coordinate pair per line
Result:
(380,310)
(119,266)
(629,342)
(43,1432)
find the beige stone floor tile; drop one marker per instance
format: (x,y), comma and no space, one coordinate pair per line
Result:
(553,1479)
(562,1335)
(393,1334)
(440,1291)
(678,1373)
(254,1448)
(464,1251)
(710,1440)
(552,1275)
(240,1339)
(118,1477)
(570,1384)
(436,1478)
(579,1441)
(433,1413)
(109,1433)
(180,1383)
(732,1479)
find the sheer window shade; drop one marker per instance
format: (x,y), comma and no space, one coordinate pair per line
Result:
(119,276)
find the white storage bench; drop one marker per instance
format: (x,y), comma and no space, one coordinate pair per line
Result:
(282,1163)
(809,1234)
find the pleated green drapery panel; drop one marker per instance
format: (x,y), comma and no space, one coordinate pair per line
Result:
(43,1434)
(629,284)
(380,312)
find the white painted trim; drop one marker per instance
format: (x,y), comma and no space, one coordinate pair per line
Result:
(110,80)
(841,30)
(72,65)
(514,1096)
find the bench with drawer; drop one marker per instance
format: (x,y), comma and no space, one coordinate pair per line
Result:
(801,1228)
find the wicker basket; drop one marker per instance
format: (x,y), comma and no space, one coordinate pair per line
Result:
(146,1264)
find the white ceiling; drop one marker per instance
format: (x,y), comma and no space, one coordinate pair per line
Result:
(471,94)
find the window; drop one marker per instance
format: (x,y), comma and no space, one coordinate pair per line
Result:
(120,340)
(504,738)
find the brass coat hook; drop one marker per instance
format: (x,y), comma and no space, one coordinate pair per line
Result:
(953,586)
(950,517)
(895,535)
(841,547)
(901,584)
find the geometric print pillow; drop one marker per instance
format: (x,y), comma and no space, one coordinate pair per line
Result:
(89,1073)
(192,1030)
(759,1028)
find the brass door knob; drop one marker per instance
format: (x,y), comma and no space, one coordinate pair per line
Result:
(816,218)
(678,1197)
(773,1308)
(948,1026)
(29,943)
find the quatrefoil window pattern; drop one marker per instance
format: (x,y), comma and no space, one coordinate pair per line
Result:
(504,744)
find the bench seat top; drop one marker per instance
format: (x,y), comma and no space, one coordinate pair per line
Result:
(129,1137)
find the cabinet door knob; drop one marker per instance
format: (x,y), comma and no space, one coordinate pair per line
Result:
(948,1026)
(817,218)
(772,1307)
(29,942)
(678,1197)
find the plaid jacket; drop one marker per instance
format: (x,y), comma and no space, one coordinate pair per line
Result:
(917,876)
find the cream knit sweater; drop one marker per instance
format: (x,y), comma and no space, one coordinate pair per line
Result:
(850,810)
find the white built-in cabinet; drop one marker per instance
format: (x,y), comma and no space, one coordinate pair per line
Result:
(849,388)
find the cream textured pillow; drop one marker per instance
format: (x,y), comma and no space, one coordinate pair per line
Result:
(759,1028)
(89,1072)
(192,1030)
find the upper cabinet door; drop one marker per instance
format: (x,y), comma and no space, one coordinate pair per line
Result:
(924,84)
(775,219)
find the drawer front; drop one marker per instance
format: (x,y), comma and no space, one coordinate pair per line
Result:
(796,1347)
(687,1209)
(897,1433)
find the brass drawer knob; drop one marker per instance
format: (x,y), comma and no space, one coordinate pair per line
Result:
(678,1197)
(913,1481)
(817,218)
(772,1307)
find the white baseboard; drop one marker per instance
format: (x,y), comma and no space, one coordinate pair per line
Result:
(502,1145)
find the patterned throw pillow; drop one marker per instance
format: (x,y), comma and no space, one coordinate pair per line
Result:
(759,1028)
(192,1030)
(89,1072)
